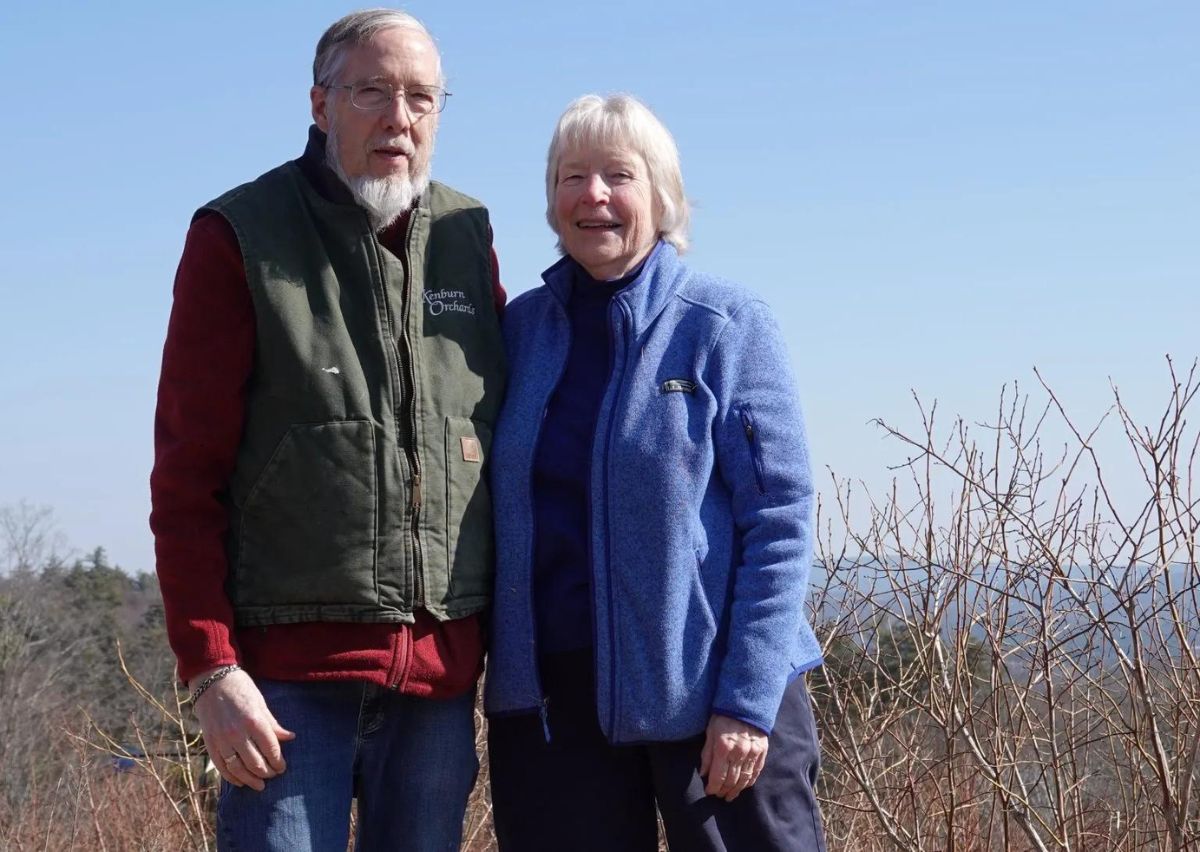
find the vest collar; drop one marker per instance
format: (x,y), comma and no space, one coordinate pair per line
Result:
(312,164)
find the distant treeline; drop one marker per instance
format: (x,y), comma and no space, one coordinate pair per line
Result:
(60,625)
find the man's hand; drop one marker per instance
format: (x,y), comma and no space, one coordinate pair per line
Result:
(732,757)
(240,733)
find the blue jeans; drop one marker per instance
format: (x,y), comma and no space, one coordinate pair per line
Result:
(410,763)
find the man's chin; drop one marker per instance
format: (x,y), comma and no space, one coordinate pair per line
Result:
(387,171)
(385,198)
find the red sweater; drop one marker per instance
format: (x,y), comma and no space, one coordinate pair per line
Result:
(207,362)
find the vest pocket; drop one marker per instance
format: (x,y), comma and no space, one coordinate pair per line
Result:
(308,524)
(470,549)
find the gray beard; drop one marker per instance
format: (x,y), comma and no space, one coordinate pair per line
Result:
(384,199)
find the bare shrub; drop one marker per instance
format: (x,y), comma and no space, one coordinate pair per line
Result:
(1011,650)
(29,537)
(1010,659)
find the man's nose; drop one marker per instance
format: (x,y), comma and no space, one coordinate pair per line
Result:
(396,115)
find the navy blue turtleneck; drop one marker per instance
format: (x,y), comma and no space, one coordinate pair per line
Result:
(562,585)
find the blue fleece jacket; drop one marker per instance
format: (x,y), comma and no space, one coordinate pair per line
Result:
(701,506)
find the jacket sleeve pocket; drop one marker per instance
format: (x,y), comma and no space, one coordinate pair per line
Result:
(750,430)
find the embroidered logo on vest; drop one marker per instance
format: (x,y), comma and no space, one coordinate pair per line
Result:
(438,302)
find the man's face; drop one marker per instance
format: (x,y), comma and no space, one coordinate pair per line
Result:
(388,142)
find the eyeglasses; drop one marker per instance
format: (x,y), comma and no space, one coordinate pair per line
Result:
(377,94)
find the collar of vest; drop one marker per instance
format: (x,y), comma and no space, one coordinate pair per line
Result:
(322,178)
(662,276)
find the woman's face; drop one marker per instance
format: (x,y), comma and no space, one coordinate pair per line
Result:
(604,209)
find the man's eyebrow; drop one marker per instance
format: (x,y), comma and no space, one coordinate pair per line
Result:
(384,78)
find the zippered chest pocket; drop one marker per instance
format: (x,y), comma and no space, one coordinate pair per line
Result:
(753,439)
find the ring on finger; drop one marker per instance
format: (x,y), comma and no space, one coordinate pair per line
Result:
(230,758)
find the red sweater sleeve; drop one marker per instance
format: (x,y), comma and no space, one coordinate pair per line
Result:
(207,361)
(498,295)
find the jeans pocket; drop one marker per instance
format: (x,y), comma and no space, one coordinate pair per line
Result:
(225,836)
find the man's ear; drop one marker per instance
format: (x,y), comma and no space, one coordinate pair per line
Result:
(319,96)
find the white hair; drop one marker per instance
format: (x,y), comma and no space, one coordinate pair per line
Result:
(623,121)
(359,28)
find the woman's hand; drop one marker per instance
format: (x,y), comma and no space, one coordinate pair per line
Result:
(241,735)
(732,757)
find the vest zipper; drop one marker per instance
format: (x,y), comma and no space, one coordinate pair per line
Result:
(414,458)
(408,385)
(404,381)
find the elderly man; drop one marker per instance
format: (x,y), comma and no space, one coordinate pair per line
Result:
(331,372)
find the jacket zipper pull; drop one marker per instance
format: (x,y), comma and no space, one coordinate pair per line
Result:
(748,426)
(544,712)
(416,492)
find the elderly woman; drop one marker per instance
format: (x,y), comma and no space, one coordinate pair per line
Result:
(654,531)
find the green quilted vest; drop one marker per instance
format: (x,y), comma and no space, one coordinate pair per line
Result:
(360,491)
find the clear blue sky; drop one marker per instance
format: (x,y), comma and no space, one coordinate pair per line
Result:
(932,195)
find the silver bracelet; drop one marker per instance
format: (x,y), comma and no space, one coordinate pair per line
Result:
(213,678)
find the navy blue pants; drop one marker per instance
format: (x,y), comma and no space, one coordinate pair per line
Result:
(578,792)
